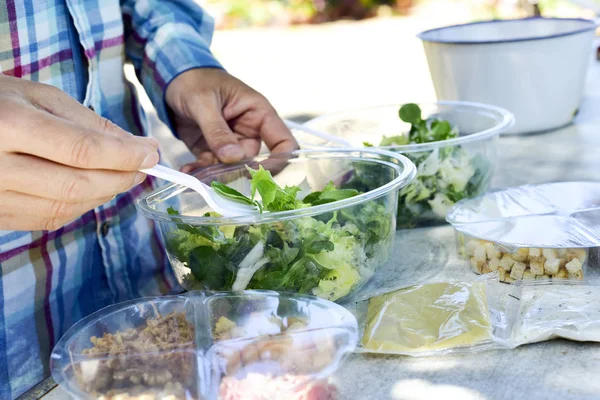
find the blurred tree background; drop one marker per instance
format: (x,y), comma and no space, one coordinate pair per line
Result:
(231,14)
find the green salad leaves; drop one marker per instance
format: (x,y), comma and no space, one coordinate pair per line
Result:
(327,255)
(445,175)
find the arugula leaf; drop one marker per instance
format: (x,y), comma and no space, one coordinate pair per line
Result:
(367,144)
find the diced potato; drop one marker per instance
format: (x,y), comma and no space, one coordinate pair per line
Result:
(521,254)
(574,266)
(549,254)
(534,252)
(528,274)
(491,251)
(506,262)
(494,264)
(537,265)
(552,266)
(517,270)
(543,277)
(480,253)
(562,274)
(509,279)
(577,275)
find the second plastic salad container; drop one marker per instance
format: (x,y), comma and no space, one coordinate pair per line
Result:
(460,164)
(328,250)
(202,345)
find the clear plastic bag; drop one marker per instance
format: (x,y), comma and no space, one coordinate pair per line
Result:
(438,318)
(554,309)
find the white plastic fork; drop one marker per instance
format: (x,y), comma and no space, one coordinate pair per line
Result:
(220,204)
(319,134)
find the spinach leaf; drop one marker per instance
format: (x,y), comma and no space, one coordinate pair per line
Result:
(230,193)
(210,268)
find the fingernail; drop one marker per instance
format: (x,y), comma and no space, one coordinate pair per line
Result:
(150,161)
(185,169)
(231,152)
(139,178)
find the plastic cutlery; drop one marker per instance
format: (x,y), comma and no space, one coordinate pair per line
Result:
(220,204)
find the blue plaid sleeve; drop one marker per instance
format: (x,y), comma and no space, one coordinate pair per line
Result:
(164,38)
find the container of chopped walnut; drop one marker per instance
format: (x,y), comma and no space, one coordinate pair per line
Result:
(205,345)
(530,232)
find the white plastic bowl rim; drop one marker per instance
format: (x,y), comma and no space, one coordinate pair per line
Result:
(505,120)
(590,25)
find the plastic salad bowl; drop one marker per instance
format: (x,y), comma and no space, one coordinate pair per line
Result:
(328,250)
(448,170)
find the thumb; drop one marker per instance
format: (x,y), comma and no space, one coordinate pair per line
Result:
(220,139)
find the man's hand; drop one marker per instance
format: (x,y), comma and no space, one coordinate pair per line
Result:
(220,118)
(58,159)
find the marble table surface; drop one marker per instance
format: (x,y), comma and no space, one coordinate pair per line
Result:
(550,370)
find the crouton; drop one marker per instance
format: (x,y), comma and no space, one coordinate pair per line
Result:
(502,274)
(573,266)
(479,254)
(494,264)
(552,266)
(528,274)
(470,247)
(534,252)
(517,271)
(537,265)
(506,262)
(485,268)
(562,274)
(577,275)
(492,251)
(580,254)
(521,254)
(476,266)
(549,254)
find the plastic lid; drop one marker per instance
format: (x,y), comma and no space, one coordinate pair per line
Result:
(552,215)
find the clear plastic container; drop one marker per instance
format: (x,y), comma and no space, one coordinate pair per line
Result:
(522,263)
(531,231)
(203,345)
(329,250)
(448,171)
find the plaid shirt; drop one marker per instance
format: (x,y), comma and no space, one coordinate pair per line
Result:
(52,279)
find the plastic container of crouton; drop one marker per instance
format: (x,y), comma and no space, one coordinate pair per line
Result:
(205,345)
(530,232)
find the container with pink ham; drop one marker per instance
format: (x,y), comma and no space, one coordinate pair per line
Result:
(253,345)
